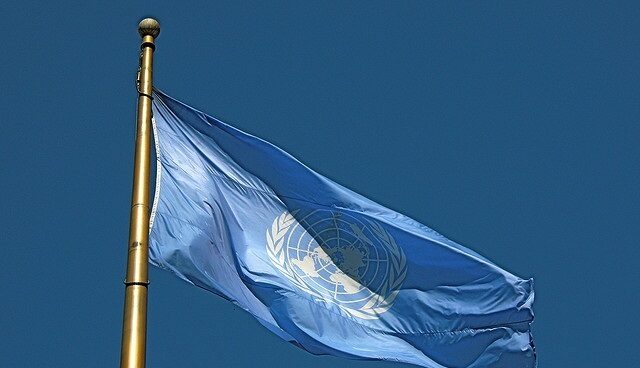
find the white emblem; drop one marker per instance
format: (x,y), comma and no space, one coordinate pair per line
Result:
(339,259)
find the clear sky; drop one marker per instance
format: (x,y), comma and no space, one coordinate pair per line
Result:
(511,128)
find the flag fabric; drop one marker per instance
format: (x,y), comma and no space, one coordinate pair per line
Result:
(320,265)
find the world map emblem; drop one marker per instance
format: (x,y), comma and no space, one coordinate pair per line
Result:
(338,258)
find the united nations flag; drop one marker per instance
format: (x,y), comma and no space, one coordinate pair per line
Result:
(319,265)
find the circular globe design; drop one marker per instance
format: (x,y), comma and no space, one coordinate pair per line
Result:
(338,258)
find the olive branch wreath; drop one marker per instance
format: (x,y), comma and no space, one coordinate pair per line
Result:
(377,304)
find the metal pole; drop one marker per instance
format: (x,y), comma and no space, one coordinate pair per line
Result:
(134,329)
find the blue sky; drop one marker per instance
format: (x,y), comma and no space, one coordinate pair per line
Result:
(511,128)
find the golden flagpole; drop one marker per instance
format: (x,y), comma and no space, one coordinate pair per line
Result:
(134,328)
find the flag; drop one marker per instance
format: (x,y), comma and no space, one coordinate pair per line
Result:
(320,265)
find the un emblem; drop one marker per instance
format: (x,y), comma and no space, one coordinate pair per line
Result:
(338,259)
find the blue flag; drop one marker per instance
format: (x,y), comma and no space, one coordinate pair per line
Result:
(320,265)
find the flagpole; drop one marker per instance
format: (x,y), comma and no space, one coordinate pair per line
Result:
(134,328)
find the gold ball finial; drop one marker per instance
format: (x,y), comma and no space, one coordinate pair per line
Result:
(149,27)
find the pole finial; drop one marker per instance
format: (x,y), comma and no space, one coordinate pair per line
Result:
(149,27)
